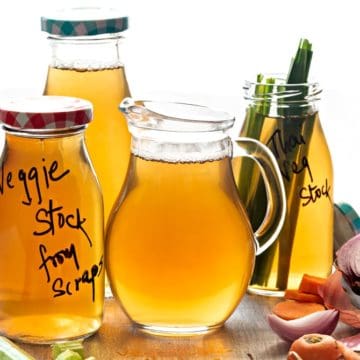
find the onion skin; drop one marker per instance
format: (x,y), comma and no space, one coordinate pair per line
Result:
(352,342)
(292,355)
(323,322)
(348,262)
(353,297)
(335,297)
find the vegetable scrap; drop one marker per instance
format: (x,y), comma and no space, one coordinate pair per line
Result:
(311,284)
(298,295)
(352,342)
(339,294)
(335,297)
(303,311)
(74,346)
(69,355)
(319,346)
(10,351)
(292,309)
(347,261)
(323,322)
(69,350)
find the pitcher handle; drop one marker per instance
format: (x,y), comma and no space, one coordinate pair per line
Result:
(274,218)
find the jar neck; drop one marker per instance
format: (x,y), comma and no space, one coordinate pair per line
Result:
(70,142)
(278,98)
(86,53)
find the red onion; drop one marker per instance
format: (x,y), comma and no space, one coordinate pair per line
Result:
(323,322)
(352,342)
(353,297)
(335,297)
(348,260)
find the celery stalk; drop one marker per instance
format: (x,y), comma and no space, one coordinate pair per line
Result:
(69,355)
(75,346)
(10,351)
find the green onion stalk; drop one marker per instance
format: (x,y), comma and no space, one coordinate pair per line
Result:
(296,119)
(293,119)
(253,127)
(250,184)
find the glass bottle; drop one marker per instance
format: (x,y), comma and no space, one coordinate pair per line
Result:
(285,117)
(87,62)
(179,246)
(51,227)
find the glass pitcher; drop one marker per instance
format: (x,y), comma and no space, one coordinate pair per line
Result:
(180,249)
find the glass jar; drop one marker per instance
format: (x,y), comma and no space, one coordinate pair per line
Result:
(51,229)
(285,117)
(87,62)
(179,246)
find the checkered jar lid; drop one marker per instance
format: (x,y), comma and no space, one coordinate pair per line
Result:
(84,21)
(45,113)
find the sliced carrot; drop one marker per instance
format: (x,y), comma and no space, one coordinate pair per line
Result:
(294,294)
(292,309)
(311,284)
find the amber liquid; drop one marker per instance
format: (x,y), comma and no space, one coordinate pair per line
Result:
(44,296)
(179,247)
(107,137)
(305,244)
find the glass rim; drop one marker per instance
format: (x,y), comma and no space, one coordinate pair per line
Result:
(280,89)
(281,77)
(87,38)
(43,133)
(174,116)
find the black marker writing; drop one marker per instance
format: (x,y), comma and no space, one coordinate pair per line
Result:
(61,287)
(9,183)
(57,259)
(296,168)
(280,146)
(53,218)
(313,193)
(32,178)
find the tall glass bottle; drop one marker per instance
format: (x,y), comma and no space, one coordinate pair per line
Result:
(87,62)
(51,224)
(285,117)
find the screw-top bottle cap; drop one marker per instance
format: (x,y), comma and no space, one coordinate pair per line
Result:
(45,112)
(84,21)
(351,215)
(346,224)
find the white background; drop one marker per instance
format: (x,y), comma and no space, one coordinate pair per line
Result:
(203,50)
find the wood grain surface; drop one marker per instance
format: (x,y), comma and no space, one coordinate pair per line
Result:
(246,335)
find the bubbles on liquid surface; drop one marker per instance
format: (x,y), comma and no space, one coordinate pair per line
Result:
(180,153)
(82,67)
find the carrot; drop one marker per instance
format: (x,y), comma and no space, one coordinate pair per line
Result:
(311,284)
(294,294)
(318,346)
(292,309)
